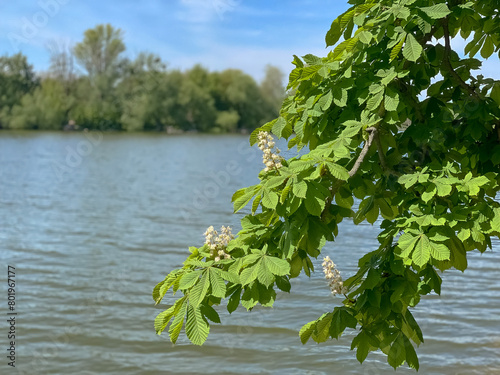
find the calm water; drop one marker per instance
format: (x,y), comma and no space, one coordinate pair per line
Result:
(92,227)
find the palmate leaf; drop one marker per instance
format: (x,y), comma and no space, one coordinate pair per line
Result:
(197,327)
(264,276)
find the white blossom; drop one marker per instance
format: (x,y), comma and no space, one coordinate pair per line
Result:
(270,158)
(218,242)
(332,275)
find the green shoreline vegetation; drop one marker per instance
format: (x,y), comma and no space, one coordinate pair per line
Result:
(112,92)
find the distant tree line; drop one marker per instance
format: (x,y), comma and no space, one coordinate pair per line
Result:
(113,92)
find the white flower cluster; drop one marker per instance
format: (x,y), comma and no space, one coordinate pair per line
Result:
(271,158)
(332,274)
(218,242)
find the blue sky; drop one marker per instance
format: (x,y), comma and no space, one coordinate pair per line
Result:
(219,34)
(244,34)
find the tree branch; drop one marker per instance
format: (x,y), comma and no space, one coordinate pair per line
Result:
(371,135)
(372,131)
(447,63)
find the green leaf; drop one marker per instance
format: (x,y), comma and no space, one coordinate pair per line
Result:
(430,192)
(306,331)
(340,321)
(270,199)
(406,243)
(413,49)
(228,276)
(188,280)
(315,201)
(391,100)
(325,101)
(234,300)
(300,189)
(374,101)
(176,326)
(163,318)
(277,266)
(495,92)
(437,11)
(338,171)
(397,353)
(198,293)
(365,37)
(218,284)
(411,355)
(361,341)
(397,48)
(249,274)
(241,199)
(197,328)
(408,180)
(340,96)
(488,47)
(210,313)
(322,331)
(439,251)
(264,276)
(422,252)
(443,189)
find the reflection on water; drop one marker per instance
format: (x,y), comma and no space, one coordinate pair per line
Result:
(92,230)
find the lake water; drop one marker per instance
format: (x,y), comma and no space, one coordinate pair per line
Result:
(92,224)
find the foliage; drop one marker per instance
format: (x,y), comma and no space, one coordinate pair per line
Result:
(17,79)
(395,119)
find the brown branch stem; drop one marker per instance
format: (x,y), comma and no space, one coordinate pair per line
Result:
(372,131)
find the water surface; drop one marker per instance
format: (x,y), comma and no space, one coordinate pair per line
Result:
(92,224)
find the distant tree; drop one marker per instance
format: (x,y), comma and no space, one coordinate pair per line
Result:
(272,88)
(196,102)
(234,90)
(17,78)
(99,52)
(62,64)
(141,92)
(100,55)
(45,108)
